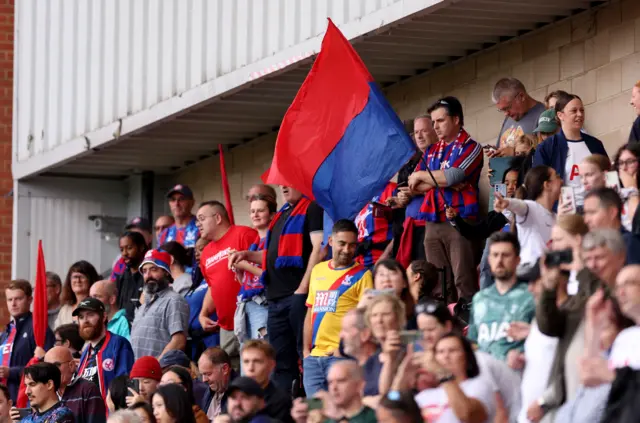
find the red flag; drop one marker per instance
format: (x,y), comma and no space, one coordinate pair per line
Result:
(265,176)
(40,311)
(225,185)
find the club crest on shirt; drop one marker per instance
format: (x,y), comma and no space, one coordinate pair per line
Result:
(108,365)
(348,280)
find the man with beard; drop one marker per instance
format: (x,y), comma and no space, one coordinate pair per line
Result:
(335,288)
(504,302)
(357,341)
(79,395)
(107,293)
(161,323)
(105,355)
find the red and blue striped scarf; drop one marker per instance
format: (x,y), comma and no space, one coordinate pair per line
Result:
(464,153)
(291,241)
(252,285)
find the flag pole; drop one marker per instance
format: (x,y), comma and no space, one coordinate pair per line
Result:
(225,185)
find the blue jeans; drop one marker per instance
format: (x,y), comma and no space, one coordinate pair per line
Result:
(256,319)
(284,327)
(315,371)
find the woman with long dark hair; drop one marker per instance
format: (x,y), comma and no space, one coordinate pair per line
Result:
(461,393)
(171,405)
(80,277)
(181,376)
(534,215)
(133,247)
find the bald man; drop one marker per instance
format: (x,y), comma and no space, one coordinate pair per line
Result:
(79,395)
(117,322)
(346,384)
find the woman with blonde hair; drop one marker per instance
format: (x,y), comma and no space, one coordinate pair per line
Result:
(386,317)
(593,175)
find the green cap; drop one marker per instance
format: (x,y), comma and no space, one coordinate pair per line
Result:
(547,122)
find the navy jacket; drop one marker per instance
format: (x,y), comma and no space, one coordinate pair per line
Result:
(24,345)
(632,242)
(553,151)
(208,396)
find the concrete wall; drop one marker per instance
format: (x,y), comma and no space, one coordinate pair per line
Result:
(595,55)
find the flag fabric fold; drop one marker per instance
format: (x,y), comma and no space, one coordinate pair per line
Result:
(225,185)
(340,141)
(40,309)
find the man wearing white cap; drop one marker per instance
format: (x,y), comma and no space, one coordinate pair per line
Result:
(161,323)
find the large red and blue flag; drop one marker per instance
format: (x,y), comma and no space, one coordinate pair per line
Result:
(340,142)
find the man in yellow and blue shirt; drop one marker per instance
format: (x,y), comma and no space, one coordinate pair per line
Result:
(335,288)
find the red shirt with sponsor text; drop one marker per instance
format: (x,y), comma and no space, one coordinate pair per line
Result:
(215,268)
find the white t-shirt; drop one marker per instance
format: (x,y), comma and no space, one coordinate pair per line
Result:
(626,349)
(435,404)
(578,151)
(539,352)
(505,380)
(534,231)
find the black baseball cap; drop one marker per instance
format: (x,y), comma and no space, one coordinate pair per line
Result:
(180,189)
(89,303)
(528,272)
(138,223)
(246,385)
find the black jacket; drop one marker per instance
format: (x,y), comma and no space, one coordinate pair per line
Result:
(623,405)
(24,345)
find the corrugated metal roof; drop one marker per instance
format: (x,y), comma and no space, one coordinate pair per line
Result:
(412,47)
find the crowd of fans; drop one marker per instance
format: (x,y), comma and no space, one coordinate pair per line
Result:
(420,309)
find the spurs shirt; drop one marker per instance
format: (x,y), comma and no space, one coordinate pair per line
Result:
(332,293)
(492,313)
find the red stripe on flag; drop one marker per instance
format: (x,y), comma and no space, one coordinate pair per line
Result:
(225,185)
(40,314)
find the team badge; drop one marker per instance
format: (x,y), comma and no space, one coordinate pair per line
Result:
(108,365)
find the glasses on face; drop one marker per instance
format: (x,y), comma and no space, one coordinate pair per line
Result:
(203,217)
(628,162)
(58,342)
(509,105)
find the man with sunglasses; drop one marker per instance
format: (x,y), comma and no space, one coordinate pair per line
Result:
(521,113)
(79,395)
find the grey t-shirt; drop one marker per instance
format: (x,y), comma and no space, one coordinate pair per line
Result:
(511,129)
(156,321)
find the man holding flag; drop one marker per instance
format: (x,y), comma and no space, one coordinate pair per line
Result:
(18,342)
(340,143)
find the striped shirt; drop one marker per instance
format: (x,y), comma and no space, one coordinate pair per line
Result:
(85,402)
(156,321)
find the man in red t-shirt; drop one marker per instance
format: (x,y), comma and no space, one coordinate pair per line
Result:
(214,226)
